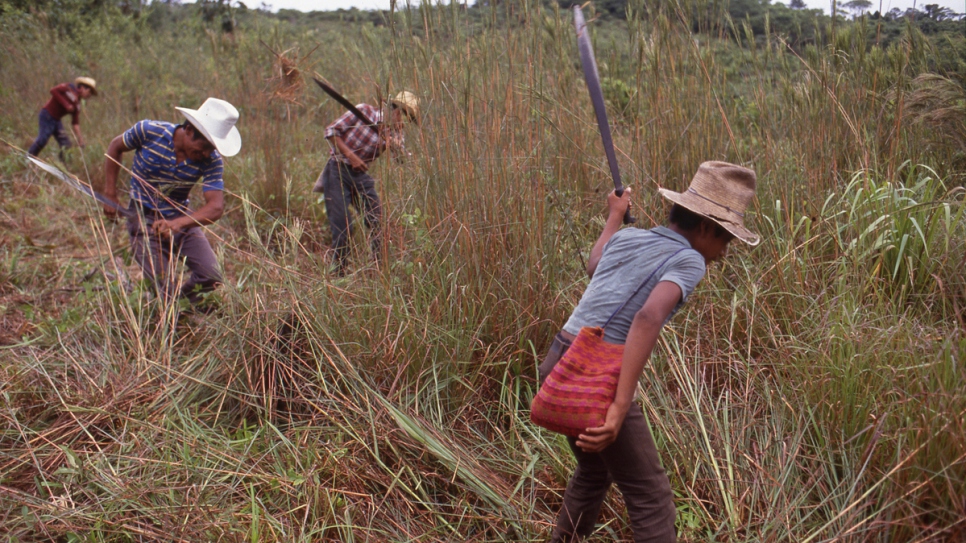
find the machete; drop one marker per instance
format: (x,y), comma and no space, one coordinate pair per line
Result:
(341,99)
(597,98)
(76,184)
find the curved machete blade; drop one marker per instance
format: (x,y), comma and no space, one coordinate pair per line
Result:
(81,187)
(597,98)
(341,99)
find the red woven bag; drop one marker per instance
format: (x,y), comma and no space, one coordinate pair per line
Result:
(583,383)
(581,386)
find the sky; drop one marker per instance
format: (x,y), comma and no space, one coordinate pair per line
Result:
(958,6)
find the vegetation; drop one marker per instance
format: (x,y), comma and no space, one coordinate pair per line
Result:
(811,392)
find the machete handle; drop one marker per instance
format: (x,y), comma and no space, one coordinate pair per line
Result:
(627,213)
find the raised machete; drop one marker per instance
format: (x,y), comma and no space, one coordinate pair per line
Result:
(341,99)
(597,98)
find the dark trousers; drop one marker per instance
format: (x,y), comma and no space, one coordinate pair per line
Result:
(158,258)
(49,126)
(631,462)
(344,186)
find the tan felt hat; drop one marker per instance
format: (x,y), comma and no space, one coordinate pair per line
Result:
(409,104)
(87,81)
(216,119)
(721,192)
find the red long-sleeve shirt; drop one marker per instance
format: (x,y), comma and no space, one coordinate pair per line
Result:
(64,99)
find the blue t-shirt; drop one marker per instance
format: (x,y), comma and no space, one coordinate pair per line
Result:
(167,182)
(629,258)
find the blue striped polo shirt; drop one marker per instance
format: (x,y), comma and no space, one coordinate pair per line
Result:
(167,183)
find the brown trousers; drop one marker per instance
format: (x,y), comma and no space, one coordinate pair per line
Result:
(631,462)
(159,259)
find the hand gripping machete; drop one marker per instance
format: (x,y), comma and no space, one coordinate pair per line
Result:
(597,98)
(74,183)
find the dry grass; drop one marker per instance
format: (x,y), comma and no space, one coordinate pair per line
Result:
(808,393)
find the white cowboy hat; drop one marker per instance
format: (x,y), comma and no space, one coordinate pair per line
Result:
(216,119)
(721,192)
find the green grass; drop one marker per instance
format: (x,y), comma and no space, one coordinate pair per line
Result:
(811,390)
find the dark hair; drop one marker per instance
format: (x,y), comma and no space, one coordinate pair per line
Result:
(195,133)
(86,85)
(684,218)
(687,220)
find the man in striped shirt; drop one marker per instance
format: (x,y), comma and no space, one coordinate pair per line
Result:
(169,160)
(345,181)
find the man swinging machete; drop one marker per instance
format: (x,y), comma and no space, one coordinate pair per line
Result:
(665,263)
(356,139)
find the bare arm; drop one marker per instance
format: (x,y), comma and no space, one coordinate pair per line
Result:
(354,159)
(112,165)
(207,214)
(641,339)
(616,206)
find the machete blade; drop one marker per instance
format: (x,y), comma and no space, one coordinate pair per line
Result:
(597,98)
(79,186)
(341,99)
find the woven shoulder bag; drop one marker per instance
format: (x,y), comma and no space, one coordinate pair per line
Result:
(583,383)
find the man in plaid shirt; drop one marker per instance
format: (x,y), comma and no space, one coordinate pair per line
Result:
(345,181)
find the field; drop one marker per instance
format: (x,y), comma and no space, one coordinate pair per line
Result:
(812,390)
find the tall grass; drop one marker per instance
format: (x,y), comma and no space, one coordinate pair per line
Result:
(808,393)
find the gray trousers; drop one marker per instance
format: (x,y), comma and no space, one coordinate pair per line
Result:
(631,462)
(344,186)
(158,258)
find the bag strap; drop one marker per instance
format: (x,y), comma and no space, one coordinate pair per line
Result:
(638,289)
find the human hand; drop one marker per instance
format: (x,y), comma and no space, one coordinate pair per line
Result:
(110,212)
(358,164)
(164,228)
(618,205)
(594,440)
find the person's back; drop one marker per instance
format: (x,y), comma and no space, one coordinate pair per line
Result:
(666,263)
(630,256)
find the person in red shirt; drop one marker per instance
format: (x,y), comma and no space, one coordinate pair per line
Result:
(64,98)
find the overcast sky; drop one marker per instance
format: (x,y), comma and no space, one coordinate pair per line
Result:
(958,6)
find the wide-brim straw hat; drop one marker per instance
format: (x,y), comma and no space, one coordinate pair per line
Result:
(721,192)
(408,102)
(87,81)
(216,119)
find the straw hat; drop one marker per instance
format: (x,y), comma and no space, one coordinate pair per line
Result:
(216,119)
(721,192)
(408,102)
(87,81)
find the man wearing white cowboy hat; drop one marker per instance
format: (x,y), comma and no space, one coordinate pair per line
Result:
(169,160)
(345,181)
(667,262)
(64,98)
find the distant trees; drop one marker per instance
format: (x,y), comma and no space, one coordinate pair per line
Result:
(857,7)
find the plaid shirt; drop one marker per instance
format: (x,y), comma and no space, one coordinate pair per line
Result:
(363,140)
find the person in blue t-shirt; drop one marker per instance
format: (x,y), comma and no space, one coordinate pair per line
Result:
(672,259)
(169,160)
